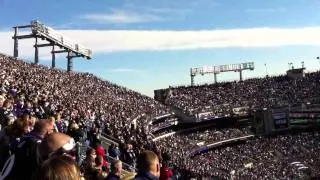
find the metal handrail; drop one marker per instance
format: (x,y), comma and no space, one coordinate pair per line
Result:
(107,139)
(126,165)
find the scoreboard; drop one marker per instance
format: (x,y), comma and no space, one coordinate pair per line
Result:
(267,122)
(280,120)
(304,118)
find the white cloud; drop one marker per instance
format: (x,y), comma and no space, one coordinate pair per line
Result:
(265,10)
(111,41)
(127,40)
(26,50)
(165,11)
(121,17)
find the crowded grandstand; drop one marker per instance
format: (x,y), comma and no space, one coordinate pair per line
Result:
(58,124)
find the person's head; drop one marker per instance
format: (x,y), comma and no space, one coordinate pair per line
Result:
(73,126)
(20,127)
(91,153)
(128,146)
(28,104)
(43,127)
(58,168)
(32,121)
(52,119)
(116,167)
(148,161)
(57,144)
(58,116)
(26,119)
(99,161)
(7,104)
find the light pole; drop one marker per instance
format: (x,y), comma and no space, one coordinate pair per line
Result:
(290,64)
(318,59)
(265,65)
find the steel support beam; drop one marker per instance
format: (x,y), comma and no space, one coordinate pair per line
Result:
(61,51)
(70,62)
(76,56)
(53,65)
(16,45)
(192,80)
(24,36)
(26,26)
(36,52)
(215,78)
(44,45)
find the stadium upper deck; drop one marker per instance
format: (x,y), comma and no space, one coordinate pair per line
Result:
(224,99)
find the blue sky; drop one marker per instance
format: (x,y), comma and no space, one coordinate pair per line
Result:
(148,44)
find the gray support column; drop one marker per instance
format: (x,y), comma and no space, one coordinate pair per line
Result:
(16,45)
(53,65)
(240,72)
(36,52)
(215,78)
(70,63)
(192,80)
(265,65)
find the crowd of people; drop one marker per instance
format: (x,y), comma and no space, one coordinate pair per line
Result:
(289,156)
(220,99)
(48,115)
(76,108)
(262,158)
(74,95)
(181,146)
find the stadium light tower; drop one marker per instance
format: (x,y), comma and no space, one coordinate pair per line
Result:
(290,64)
(318,59)
(218,69)
(39,30)
(302,64)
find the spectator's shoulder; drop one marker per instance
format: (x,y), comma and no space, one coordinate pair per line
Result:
(138,178)
(112,177)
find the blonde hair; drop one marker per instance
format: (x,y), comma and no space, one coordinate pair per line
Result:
(58,168)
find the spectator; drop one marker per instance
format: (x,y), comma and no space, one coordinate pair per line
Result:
(58,168)
(99,170)
(57,144)
(31,123)
(60,124)
(89,163)
(165,172)
(101,152)
(128,155)
(26,151)
(116,170)
(17,130)
(114,151)
(74,131)
(148,166)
